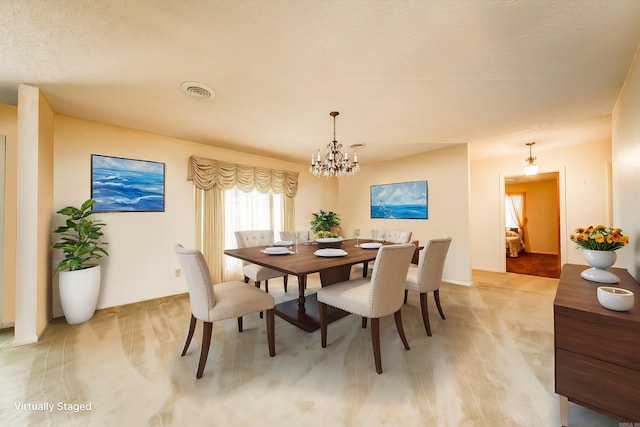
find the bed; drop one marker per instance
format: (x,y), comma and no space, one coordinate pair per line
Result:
(513,242)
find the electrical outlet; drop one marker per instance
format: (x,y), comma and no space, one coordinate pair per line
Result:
(178,272)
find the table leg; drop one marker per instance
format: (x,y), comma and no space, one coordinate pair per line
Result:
(302,285)
(564,411)
(304,312)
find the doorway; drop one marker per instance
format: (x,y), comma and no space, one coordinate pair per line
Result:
(532,225)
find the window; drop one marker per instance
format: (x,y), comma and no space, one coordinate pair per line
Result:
(249,211)
(514,210)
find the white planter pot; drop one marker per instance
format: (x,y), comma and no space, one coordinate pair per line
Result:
(79,291)
(599,262)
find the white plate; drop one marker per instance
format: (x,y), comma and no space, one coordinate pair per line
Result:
(284,243)
(371,245)
(330,252)
(276,251)
(329,239)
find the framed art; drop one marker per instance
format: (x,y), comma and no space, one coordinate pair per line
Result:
(405,200)
(126,185)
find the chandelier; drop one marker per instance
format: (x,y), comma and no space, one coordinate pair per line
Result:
(531,168)
(335,161)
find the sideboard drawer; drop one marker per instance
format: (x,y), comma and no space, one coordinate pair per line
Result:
(608,388)
(604,338)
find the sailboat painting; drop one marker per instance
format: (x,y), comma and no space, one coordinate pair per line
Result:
(405,200)
(126,185)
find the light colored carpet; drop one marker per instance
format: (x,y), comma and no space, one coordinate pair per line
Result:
(490,363)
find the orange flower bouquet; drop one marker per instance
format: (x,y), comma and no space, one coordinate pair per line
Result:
(599,238)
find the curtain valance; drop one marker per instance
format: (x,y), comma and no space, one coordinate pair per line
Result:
(208,173)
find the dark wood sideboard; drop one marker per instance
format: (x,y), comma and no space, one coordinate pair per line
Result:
(597,351)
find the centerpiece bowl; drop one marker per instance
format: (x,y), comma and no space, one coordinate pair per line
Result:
(329,242)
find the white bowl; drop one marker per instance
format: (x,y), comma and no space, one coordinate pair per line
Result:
(616,299)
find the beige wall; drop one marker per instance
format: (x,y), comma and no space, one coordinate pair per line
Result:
(446,171)
(585,197)
(34,204)
(626,168)
(44,206)
(9,128)
(542,214)
(142,264)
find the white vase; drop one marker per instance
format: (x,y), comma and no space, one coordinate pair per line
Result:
(599,262)
(79,291)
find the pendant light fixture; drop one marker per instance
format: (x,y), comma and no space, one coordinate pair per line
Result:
(531,168)
(335,162)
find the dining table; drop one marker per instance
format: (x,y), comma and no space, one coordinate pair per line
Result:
(302,260)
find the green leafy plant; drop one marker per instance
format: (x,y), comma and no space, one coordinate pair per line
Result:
(324,221)
(80,237)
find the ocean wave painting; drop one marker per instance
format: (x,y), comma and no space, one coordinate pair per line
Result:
(405,200)
(130,185)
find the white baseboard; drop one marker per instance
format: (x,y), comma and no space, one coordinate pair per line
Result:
(457,282)
(25,341)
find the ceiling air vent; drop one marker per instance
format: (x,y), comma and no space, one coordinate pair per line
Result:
(198,90)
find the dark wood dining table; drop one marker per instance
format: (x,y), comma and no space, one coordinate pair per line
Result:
(303,311)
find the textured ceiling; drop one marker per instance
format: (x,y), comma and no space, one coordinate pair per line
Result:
(406,76)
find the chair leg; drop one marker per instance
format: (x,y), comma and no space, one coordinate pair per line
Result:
(375,341)
(192,328)
(406,294)
(246,279)
(285,280)
(365,268)
(239,323)
(257,284)
(364,323)
(398,317)
(271,340)
(436,296)
(322,308)
(266,286)
(204,352)
(425,312)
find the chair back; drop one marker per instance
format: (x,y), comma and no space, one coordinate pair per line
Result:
(431,263)
(388,278)
(199,284)
(393,236)
(250,238)
(290,236)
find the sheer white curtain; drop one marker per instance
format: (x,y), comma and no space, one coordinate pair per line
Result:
(515,215)
(251,210)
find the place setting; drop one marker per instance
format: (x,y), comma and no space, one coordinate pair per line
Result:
(277,250)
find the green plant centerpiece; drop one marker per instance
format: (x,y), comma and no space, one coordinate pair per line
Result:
(80,238)
(325,225)
(325,221)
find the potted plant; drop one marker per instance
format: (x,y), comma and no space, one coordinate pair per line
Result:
(325,221)
(598,246)
(79,275)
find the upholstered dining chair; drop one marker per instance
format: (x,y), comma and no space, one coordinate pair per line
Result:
(372,298)
(393,236)
(290,236)
(427,276)
(210,302)
(258,273)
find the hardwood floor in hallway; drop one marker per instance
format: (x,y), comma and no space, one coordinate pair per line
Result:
(543,265)
(490,363)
